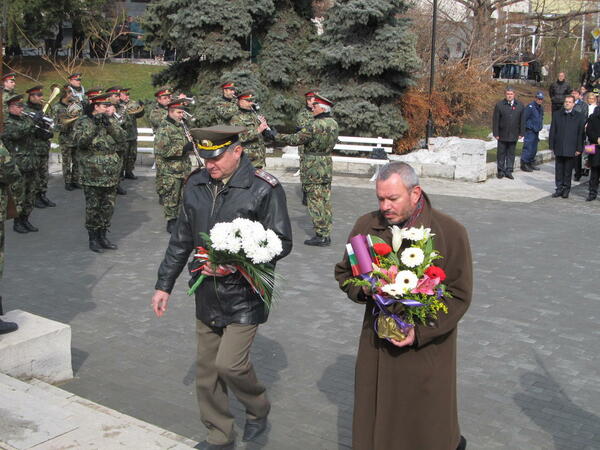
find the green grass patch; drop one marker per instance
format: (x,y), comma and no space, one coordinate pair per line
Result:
(473,131)
(492,154)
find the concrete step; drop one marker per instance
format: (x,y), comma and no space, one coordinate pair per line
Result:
(37,415)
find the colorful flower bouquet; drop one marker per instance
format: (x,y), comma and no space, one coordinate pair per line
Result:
(405,284)
(242,246)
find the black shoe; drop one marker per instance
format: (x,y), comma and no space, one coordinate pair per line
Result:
(509,176)
(586,172)
(565,194)
(94,242)
(205,445)
(130,176)
(120,190)
(104,242)
(526,168)
(76,185)
(69,186)
(39,203)
(27,224)
(499,175)
(47,201)
(254,428)
(532,167)
(171,225)
(462,443)
(557,194)
(304,200)
(19,226)
(7,327)
(576,177)
(318,241)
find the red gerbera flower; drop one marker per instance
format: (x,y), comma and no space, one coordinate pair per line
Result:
(382,249)
(436,272)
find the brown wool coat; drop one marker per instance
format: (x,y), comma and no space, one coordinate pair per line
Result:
(405,398)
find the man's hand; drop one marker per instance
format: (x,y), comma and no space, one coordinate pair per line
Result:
(263,126)
(577,153)
(410,339)
(497,137)
(160,299)
(218,271)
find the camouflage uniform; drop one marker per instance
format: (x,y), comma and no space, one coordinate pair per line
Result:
(225,109)
(318,138)
(99,167)
(120,140)
(8,174)
(303,119)
(40,143)
(251,139)
(157,115)
(6,93)
(18,131)
(66,143)
(173,165)
(130,127)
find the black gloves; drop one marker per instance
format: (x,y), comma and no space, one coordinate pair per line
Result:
(270,134)
(188,148)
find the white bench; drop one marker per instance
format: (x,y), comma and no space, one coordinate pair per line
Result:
(145,135)
(360,145)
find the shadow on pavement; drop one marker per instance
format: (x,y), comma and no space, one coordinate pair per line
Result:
(551,409)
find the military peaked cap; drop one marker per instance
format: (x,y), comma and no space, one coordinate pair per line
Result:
(14,99)
(213,141)
(101,99)
(9,76)
(35,89)
(322,100)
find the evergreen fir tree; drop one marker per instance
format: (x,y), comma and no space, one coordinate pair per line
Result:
(366,57)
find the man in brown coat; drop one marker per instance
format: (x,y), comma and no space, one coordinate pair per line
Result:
(405,391)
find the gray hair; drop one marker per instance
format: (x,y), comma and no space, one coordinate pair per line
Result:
(325,108)
(407,174)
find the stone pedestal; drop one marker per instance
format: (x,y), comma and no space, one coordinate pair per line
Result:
(40,348)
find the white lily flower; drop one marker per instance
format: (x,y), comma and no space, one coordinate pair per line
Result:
(396,237)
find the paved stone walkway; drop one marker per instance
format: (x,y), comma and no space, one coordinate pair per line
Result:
(528,358)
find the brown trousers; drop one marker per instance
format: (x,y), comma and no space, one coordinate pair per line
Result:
(224,363)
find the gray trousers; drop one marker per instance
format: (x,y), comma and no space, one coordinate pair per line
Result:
(224,364)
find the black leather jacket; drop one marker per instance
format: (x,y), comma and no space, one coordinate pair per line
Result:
(250,193)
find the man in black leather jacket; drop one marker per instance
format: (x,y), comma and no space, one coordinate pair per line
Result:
(227,309)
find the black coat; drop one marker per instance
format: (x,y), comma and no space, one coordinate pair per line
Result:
(566,133)
(558,91)
(509,121)
(250,194)
(593,133)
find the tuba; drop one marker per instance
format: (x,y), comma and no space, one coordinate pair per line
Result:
(74,111)
(134,107)
(53,96)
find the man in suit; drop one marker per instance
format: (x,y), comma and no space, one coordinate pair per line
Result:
(508,127)
(566,141)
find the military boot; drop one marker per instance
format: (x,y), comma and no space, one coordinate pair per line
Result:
(19,226)
(28,225)
(120,190)
(6,327)
(95,245)
(104,242)
(69,186)
(39,203)
(130,176)
(46,200)
(318,241)
(304,200)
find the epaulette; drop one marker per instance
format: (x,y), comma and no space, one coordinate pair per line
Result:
(195,171)
(266,176)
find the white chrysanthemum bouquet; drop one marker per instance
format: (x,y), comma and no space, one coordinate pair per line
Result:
(243,246)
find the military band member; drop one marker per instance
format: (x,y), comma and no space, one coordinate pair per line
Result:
(18,131)
(65,112)
(76,88)
(171,150)
(99,169)
(9,173)
(252,139)
(303,119)
(41,144)
(226,106)
(163,98)
(133,111)
(118,121)
(318,137)
(8,89)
